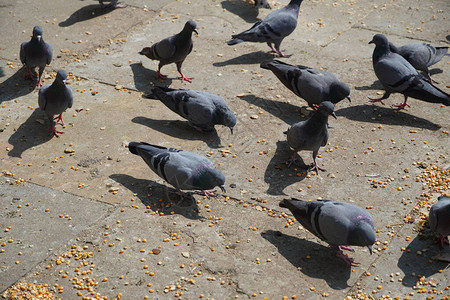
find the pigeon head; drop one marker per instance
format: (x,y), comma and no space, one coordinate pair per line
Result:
(208,178)
(191,26)
(229,120)
(326,108)
(37,32)
(338,92)
(61,75)
(362,235)
(379,40)
(145,51)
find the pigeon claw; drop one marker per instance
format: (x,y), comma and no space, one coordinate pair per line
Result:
(160,76)
(184,78)
(346,248)
(402,106)
(374,100)
(350,261)
(55,132)
(59,119)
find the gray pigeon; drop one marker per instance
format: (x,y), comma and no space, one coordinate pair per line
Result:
(420,55)
(36,53)
(310,84)
(203,110)
(173,49)
(113,4)
(398,76)
(262,3)
(311,134)
(182,169)
(272,29)
(54,99)
(439,219)
(339,224)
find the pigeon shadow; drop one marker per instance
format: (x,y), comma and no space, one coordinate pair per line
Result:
(323,264)
(384,115)
(146,79)
(411,263)
(256,57)
(180,129)
(282,110)
(30,134)
(150,193)
(241,8)
(277,171)
(15,86)
(436,71)
(376,85)
(86,13)
(2,73)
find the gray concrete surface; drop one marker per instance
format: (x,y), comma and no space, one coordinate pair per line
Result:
(238,245)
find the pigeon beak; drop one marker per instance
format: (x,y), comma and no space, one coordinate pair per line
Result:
(334,115)
(231,129)
(222,187)
(370,249)
(195,30)
(349,100)
(39,37)
(371,42)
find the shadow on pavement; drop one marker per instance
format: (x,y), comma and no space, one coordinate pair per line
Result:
(180,130)
(86,13)
(150,193)
(384,115)
(323,264)
(376,85)
(242,9)
(277,172)
(15,86)
(145,79)
(2,73)
(411,263)
(256,57)
(30,134)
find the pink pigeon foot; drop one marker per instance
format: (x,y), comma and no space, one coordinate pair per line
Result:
(184,78)
(346,248)
(39,83)
(160,76)
(281,54)
(350,261)
(374,100)
(55,132)
(59,119)
(442,240)
(316,168)
(291,160)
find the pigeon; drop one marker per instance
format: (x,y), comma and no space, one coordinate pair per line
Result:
(182,169)
(113,4)
(311,134)
(36,53)
(55,98)
(262,3)
(203,110)
(397,75)
(310,84)
(439,219)
(421,55)
(339,224)
(173,49)
(272,29)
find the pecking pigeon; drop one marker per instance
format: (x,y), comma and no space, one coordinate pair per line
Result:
(272,29)
(439,219)
(311,134)
(203,110)
(55,98)
(420,55)
(262,3)
(182,169)
(173,49)
(36,53)
(339,224)
(310,84)
(398,76)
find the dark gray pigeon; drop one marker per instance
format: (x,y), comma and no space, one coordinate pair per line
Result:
(173,49)
(262,3)
(439,219)
(311,134)
(339,224)
(113,4)
(272,29)
(36,53)
(55,98)
(182,169)
(420,55)
(398,76)
(203,110)
(310,84)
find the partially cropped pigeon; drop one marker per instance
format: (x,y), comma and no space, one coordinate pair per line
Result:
(398,76)
(310,84)
(339,224)
(420,55)
(439,219)
(113,4)
(262,3)
(173,49)
(36,53)
(272,29)
(311,134)
(55,98)
(203,110)
(182,169)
